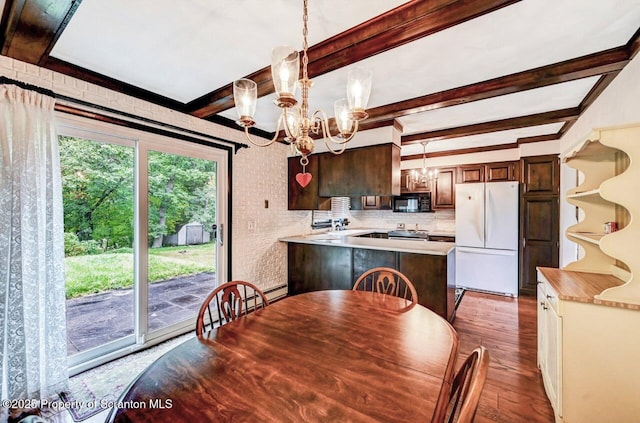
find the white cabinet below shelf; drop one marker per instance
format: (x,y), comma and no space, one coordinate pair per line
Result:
(550,346)
(587,354)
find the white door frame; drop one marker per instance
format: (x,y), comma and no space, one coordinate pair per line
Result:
(143,142)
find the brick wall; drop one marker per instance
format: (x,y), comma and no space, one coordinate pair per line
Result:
(258,174)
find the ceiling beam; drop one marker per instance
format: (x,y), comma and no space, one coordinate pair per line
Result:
(555,116)
(30,28)
(539,138)
(87,75)
(470,150)
(591,96)
(607,61)
(404,24)
(633,46)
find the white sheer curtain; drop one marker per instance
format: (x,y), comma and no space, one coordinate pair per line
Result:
(33,341)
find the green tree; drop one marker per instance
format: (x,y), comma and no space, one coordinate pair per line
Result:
(97,182)
(181,190)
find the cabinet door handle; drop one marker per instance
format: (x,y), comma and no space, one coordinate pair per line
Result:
(549,297)
(544,307)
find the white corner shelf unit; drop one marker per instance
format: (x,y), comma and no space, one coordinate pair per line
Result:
(608,162)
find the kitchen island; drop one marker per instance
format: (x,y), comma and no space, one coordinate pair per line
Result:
(334,260)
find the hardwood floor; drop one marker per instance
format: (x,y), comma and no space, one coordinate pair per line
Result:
(513,392)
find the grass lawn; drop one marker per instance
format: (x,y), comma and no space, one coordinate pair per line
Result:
(103,272)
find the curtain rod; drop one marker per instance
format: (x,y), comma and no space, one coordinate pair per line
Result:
(121,122)
(8,81)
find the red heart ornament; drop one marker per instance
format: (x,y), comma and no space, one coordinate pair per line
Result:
(303,179)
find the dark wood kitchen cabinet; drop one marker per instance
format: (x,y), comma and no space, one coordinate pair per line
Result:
(429,275)
(501,171)
(371,202)
(471,173)
(445,189)
(406,185)
(540,175)
(375,202)
(365,259)
(364,171)
(306,198)
(318,267)
(409,186)
(539,218)
(488,172)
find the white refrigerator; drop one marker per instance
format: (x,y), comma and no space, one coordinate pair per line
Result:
(487,236)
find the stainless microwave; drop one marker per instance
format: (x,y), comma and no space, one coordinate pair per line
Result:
(412,203)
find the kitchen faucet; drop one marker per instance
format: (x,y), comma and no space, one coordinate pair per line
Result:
(339,224)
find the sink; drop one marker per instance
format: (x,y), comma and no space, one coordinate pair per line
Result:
(348,232)
(409,233)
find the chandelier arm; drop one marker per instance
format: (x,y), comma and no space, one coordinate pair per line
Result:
(320,116)
(268,143)
(285,124)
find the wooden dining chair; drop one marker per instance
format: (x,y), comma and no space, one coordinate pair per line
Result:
(228,303)
(386,280)
(465,390)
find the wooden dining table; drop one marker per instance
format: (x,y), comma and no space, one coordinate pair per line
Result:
(324,356)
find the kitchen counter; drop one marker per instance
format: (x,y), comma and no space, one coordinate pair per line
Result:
(583,287)
(349,239)
(335,260)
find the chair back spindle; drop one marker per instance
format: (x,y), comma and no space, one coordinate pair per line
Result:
(386,280)
(229,304)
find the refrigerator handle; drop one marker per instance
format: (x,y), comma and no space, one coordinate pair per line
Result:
(488,216)
(479,223)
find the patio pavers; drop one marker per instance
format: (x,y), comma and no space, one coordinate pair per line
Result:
(95,319)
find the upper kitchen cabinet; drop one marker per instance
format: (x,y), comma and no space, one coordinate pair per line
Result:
(445,189)
(501,171)
(488,172)
(540,175)
(371,202)
(306,198)
(411,186)
(608,160)
(471,173)
(364,171)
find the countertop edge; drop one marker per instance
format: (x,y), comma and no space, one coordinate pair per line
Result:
(582,287)
(443,249)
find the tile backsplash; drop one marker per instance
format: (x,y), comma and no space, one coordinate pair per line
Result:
(439,221)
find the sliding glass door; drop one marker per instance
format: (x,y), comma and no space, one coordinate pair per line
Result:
(182,242)
(144,216)
(98,199)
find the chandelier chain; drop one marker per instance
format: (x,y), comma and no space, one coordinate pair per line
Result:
(295,119)
(305,45)
(305,61)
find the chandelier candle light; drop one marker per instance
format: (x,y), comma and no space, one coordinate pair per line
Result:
(298,126)
(425,176)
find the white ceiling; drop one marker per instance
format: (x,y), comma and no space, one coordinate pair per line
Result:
(183,50)
(553,97)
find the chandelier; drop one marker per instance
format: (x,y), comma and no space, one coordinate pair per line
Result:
(426,175)
(294,119)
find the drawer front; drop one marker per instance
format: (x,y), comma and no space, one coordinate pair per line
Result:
(550,294)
